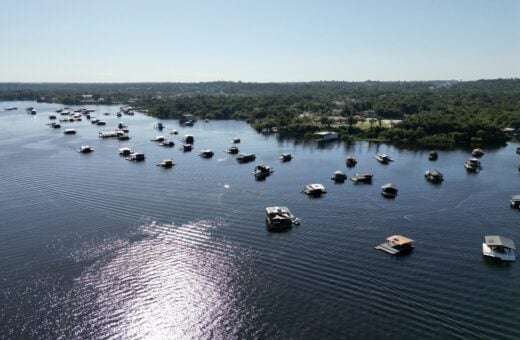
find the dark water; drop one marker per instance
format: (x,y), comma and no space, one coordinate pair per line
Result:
(94,246)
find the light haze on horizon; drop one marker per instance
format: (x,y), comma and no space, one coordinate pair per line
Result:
(279,41)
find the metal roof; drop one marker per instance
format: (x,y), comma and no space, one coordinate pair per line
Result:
(500,241)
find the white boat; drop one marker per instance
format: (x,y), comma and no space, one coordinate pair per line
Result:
(236,140)
(262,170)
(55,125)
(389,190)
(325,136)
(166,163)
(174,132)
(396,244)
(207,153)
(433,176)
(158,139)
(280,218)
(186,147)
(232,150)
(136,156)
(433,156)
(499,247)
(108,134)
(70,131)
(85,149)
(383,159)
(351,161)
(515,201)
(314,189)
(477,152)
(125,151)
(472,164)
(167,143)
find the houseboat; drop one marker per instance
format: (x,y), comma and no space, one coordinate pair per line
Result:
(159,126)
(351,161)
(285,157)
(383,159)
(499,248)
(52,117)
(186,147)
(166,163)
(396,244)
(122,136)
(167,143)
(280,218)
(362,178)
(389,190)
(136,156)
(55,125)
(472,164)
(246,157)
(188,139)
(314,189)
(477,152)
(101,122)
(262,170)
(158,139)
(325,136)
(515,201)
(339,176)
(125,151)
(189,123)
(85,149)
(433,176)
(433,156)
(70,131)
(207,153)
(236,140)
(232,150)
(107,134)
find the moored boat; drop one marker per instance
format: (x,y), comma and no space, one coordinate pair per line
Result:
(351,161)
(383,159)
(339,176)
(396,244)
(477,152)
(236,140)
(70,131)
(515,201)
(262,170)
(186,147)
(125,151)
(207,153)
(166,163)
(362,178)
(188,139)
(246,157)
(280,218)
(433,156)
(472,164)
(325,136)
(167,143)
(314,189)
(158,139)
(136,156)
(434,176)
(232,150)
(389,190)
(85,149)
(499,247)
(285,157)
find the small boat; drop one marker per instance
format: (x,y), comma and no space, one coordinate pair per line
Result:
(280,218)
(325,136)
(477,152)
(174,132)
(12,108)
(433,156)
(236,140)
(262,170)
(70,131)
(518,150)
(52,117)
(55,125)
(106,114)
(314,189)
(232,150)
(188,139)
(362,178)
(499,248)
(383,159)
(188,123)
(94,120)
(85,149)
(285,157)
(351,161)
(108,134)
(158,139)
(122,126)
(433,176)
(515,201)
(206,120)
(339,176)
(167,143)
(472,164)
(186,147)
(389,190)
(101,122)
(125,151)
(136,156)
(166,163)
(396,244)
(246,157)
(159,126)
(118,114)
(122,136)
(207,153)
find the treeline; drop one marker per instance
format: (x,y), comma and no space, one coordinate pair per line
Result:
(441,114)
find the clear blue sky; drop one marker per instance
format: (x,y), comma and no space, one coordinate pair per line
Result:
(161,40)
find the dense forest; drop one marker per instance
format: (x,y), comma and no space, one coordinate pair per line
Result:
(440,114)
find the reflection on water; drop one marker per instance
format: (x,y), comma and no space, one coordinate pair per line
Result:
(94,246)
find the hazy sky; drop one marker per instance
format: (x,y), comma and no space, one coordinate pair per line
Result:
(163,40)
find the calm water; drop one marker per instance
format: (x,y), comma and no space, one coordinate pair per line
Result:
(94,246)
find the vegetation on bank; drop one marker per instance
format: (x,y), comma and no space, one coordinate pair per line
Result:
(439,114)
